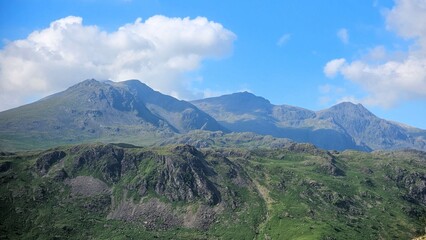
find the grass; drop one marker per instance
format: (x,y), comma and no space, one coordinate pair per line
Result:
(267,194)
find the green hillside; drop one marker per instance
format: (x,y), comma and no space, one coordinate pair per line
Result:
(296,191)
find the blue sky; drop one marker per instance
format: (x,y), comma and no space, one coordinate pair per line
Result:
(275,49)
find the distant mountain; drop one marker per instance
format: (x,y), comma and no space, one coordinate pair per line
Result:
(367,129)
(104,111)
(132,112)
(343,126)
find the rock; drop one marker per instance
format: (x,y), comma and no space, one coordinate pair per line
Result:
(184,177)
(153,214)
(413,182)
(331,169)
(61,175)
(416,185)
(45,161)
(103,158)
(87,186)
(5,166)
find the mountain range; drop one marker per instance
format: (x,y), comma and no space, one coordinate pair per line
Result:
(216,168)
(132,112)
(100,111)
(343,126)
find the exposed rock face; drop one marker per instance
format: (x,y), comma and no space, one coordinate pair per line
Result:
(186,180)
(416,185)
(414,182)
(331,168)
(105,159)
(45,161)
(60,175)
(180,176)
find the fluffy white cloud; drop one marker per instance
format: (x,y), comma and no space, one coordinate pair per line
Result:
(333,67)
(158,51)
(343,35)
(408,19)
(391,78)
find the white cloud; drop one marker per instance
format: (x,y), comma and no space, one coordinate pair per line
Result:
(333,67)
(391,78)
(377,53)
(343,35)
(158,51)
(283,39)
(408,19)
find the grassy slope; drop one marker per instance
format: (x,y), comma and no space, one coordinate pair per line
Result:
(307,204)
(298,198)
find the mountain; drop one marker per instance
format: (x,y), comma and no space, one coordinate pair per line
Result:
(102,111)
(132,112)
(343,126)
(368,129)
(296,191)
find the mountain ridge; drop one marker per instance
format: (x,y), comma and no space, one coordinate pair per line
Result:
(343,126)
(101,111)
(132,112)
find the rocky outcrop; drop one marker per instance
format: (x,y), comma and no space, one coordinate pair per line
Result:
(414,184)
(5,166)
(45,161)
(104,159)
(329,165)
(184,177)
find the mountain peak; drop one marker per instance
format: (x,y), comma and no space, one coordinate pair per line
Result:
(101,110)
(133,82)
(349,108)
(246,94)
(88,82)
(349,104)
